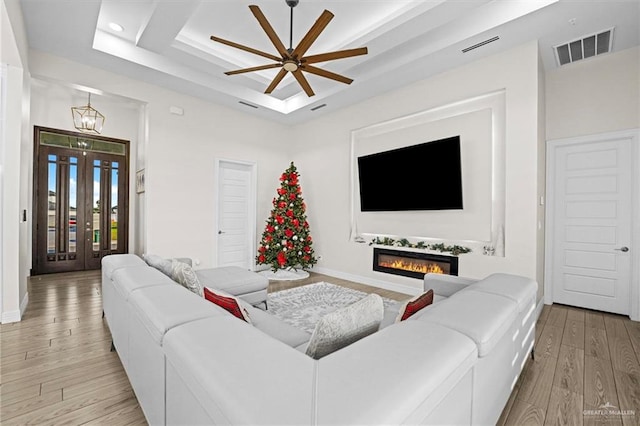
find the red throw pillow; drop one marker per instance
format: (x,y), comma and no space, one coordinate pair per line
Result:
(230,304)
(415,304)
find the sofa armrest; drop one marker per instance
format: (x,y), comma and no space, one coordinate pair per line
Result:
(446,285)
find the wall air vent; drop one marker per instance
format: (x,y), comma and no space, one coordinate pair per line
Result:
(584,47)
(247,104)
(482,43)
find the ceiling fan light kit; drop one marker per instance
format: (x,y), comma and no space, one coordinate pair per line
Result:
(293,60)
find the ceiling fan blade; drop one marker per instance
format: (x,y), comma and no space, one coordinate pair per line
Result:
(303,82)
(276,81)
(246,49)
(330,56)
(312,34)
(258,68)
(269,30)
(326,74)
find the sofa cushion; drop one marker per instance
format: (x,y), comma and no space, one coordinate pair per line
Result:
(232,279)
(114,262)
(517,288)
(483,317)
(126,280)
(164,307)
(250,379)
(383,379)
(277,328)
(391,312)
(446,285)
(414,305)
(269,324)
(228,303)
(346,325)
(184,275)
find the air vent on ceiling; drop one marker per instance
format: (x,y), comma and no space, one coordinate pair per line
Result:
(317,107)
(584,47)
(482,43)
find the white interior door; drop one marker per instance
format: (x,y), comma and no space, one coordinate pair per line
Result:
(236,214)
(590,209)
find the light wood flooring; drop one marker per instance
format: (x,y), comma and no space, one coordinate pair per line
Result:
(56,366)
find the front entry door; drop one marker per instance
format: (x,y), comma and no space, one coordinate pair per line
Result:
(80,203)
(591,221)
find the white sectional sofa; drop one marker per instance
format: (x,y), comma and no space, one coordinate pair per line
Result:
(191,363)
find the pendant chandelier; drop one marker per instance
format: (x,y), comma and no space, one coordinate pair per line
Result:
(87,119)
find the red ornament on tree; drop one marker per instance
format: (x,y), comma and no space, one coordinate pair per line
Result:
(290,245)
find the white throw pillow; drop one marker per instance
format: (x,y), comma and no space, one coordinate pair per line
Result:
(346,325)
(161,264)
(184,275)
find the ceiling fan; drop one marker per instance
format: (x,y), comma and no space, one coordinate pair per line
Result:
(292,59)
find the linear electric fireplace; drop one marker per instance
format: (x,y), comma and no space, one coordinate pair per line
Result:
(413,264)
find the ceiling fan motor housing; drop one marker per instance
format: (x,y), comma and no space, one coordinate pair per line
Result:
(292,3)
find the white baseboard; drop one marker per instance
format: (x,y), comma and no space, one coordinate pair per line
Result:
(11,316)
(15,315)
(539,307)
(369,281)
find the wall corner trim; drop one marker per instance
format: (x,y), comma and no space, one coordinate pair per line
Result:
(24,303)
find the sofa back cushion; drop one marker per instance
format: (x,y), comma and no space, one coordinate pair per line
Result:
(346,325)
(483,317)
(113,262)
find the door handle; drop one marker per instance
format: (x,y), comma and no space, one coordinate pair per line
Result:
(220,232)
(623,249)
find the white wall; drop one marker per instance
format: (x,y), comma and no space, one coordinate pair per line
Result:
(599,95)
(595,95)
(13,283)
(177,152)
(51,107)
(322,155)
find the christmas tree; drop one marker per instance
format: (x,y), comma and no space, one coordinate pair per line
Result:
(286,242)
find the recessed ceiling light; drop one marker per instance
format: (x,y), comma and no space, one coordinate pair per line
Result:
(116,27)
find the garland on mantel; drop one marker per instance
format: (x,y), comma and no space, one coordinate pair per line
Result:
(403,242)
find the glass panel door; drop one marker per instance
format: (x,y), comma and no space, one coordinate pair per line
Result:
(80,201)
(57,228)
(106,224)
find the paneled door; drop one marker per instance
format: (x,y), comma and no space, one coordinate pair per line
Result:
(590,213)
(236,218)
(80,200)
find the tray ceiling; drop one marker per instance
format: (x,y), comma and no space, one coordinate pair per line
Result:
(167,42)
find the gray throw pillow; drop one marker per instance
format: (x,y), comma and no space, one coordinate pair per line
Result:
(160,263)
(184,275)
(346,325)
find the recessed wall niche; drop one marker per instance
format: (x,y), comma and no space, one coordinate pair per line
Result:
(480,123)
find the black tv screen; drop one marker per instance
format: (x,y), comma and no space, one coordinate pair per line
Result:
(427,176)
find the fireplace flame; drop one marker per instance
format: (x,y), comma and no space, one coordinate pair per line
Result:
(413,266)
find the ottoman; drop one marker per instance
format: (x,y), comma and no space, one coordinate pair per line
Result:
(247,285)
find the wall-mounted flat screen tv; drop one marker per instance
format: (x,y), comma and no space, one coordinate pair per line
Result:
(427,176)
